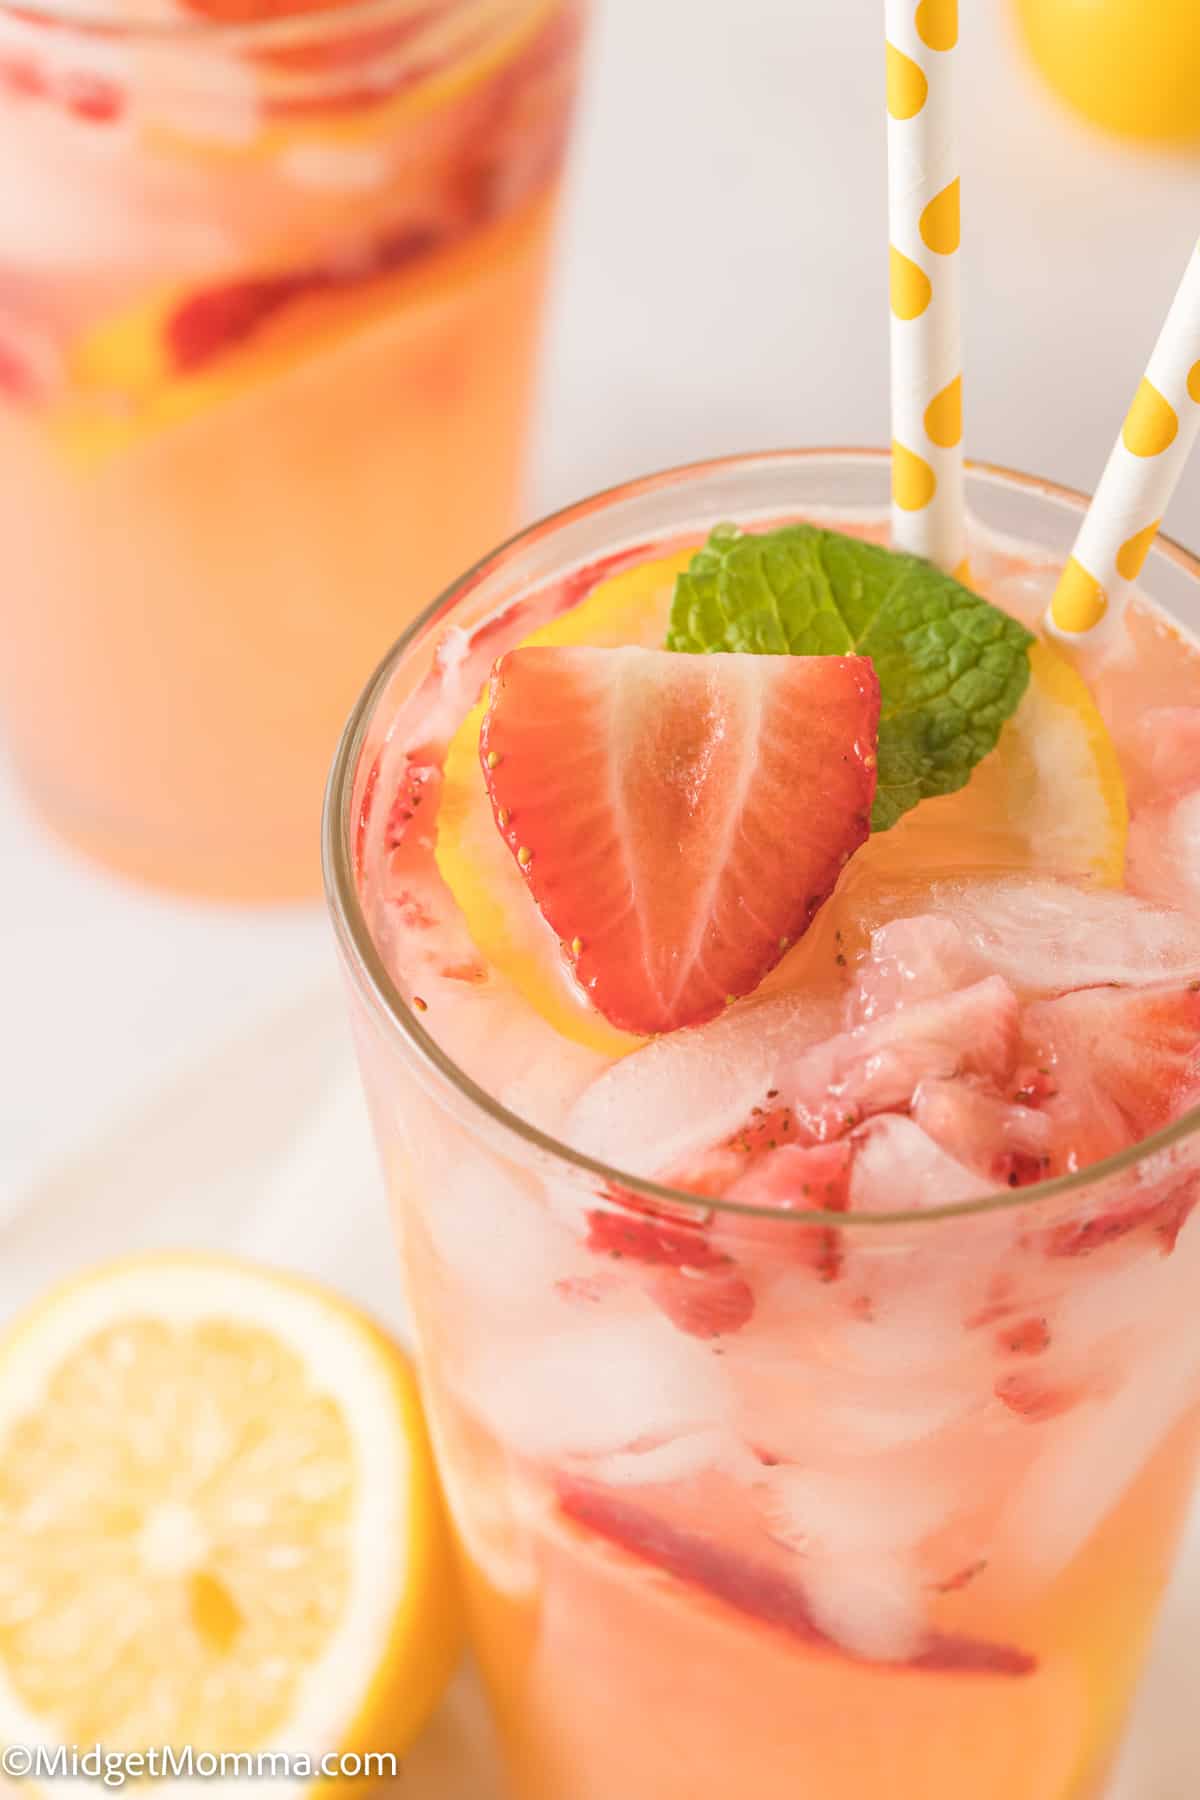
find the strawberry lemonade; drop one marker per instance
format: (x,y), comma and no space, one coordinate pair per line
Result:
(270,285)
(776,973)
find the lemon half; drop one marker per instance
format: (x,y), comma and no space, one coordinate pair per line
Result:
(219,1521)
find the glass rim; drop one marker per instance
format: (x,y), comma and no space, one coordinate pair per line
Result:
(358,947)
(343,17)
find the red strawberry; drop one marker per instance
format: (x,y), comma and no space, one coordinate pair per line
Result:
(757,1590)
(1035,1399)
(696,1285)
(705,1303)
(679,819)
(212,320)
(644,1239)
(1123,1061)
(1027,1337)
(420,770)
(1008,1142)
(1163,1213)
(795,1179)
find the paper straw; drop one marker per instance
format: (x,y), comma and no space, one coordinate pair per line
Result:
(1140,476)
(928,510)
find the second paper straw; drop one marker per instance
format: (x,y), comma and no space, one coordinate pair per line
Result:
(1160,430)
(928,509)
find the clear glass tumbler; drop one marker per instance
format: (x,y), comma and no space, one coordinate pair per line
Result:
(271,279)
(863,1547)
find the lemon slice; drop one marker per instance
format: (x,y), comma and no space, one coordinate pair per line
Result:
(219,1521)
(475,863)
(124,388)
(1050,797)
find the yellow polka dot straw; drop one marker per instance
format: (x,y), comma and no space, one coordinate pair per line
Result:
(1141,475)
(928,510)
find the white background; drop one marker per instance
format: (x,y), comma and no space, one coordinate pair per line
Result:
(721,287)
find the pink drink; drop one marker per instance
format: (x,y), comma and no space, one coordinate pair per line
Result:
(814,1416)
(271,282)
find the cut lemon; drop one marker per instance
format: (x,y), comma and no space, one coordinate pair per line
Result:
(475,863)
(219,1521)
(1050,796)
(123,386)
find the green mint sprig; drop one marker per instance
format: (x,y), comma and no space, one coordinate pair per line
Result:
(952,667)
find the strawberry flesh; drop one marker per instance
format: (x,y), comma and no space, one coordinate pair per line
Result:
(1118,1064)
(698,1286)
(796,1178)
(757,1591)
(679,819)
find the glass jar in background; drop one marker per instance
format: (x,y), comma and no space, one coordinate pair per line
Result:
(271,282)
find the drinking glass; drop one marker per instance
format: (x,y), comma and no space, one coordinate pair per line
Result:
(905,1531)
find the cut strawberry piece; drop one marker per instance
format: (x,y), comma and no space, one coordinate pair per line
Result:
(1123,1061)
(793,1179)
(757,1591)
(419,778)
(1034,1399)
(679,819)
(1027,1337)
(697,1285)
(705,1303)
(876,1068)
(1009,1142)
(213,320)
(1163,1214)
(643,1239)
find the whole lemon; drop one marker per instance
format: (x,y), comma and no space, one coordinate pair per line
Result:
(1132,66)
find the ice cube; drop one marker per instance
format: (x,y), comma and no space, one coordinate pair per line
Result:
(1164,853)
(1045,936)
(678,1459)
(496,1235)
(911,959)
(1093,1454)
(1164,754)
(876,1068)
(597,1384)
(686,1091)
(871,1605)
(898,1168)
(876,1511)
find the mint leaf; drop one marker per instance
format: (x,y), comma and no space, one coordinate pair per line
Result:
(951,666)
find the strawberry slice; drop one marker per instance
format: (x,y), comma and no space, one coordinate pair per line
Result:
(679,819)
(756,1590)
